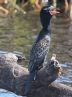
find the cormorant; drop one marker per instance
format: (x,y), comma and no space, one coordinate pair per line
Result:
(40,48)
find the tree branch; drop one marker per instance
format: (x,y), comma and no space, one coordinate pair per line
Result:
(13,77)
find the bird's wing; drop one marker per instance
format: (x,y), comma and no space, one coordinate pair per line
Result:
(39,51)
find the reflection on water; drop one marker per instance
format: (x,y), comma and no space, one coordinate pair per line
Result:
(18,32)
(4,93)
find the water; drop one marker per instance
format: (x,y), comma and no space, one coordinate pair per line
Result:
(4,93)
(18,32)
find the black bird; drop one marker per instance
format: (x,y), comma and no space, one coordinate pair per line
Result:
(41,46)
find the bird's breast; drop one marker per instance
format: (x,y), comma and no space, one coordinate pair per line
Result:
(42,46)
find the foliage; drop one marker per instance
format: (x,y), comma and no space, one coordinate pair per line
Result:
(13,2)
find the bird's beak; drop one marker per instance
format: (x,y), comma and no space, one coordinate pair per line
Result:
(53,12)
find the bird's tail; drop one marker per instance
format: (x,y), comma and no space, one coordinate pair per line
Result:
(29,82)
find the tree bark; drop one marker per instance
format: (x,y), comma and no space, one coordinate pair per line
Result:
(13,77)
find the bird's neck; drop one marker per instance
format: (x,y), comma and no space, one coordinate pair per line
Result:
(47,29)
(46,26)
(43,33)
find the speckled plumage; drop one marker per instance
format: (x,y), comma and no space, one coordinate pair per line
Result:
(40,48)
(39,51)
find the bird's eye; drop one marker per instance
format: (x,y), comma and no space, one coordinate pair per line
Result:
(46,10)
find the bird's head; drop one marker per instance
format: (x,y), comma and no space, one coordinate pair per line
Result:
(46,14)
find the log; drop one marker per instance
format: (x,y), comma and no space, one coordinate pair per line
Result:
(13,77)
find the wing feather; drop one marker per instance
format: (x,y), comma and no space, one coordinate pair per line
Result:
(38,51)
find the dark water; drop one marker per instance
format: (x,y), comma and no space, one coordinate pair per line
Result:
(18,32)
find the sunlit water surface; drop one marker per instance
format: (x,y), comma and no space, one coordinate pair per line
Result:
(18,32)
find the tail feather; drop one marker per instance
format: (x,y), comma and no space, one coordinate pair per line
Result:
(29,82)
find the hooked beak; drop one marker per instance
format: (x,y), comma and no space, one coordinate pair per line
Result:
(54,12)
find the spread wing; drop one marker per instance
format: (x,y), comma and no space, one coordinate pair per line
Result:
(38,53)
